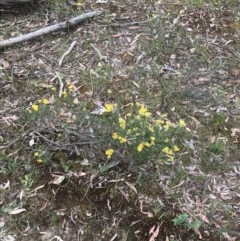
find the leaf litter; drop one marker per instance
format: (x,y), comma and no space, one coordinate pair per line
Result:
(85,196)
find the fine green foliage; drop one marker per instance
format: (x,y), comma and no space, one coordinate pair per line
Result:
(142,136)
(216,147)
(181,220)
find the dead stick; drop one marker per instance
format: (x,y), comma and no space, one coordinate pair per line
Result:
(50,29)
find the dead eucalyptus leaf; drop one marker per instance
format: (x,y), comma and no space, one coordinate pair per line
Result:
(57,180)
(5,64)
(154,233)
(17,211)
(131,186)
(235,72)
(150,215)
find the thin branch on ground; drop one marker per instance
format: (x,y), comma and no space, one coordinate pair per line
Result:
(67,52)
(50,29)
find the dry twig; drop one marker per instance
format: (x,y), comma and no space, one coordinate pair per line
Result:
(50,29)
(67,52)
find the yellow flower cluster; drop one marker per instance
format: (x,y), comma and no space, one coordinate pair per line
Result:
(143,111)
(147,144)
(182,123)
(39,160)
(70,87)
(64,94)
(140,147)
(109,153)
(35,107)
(122,123)
(121,139)
(170,152)
(45,101)
(143,133)
(109,107)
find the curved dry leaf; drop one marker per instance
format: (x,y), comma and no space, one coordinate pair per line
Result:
(131,186)
(204,218)
(31,142)
(58,179)
(150,215)
(154,233)
(17,211)
(57,238)
(5,64)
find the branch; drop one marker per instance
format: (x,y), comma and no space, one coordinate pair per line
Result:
(50,29)
(67,52)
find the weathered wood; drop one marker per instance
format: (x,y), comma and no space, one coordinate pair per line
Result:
(59,26)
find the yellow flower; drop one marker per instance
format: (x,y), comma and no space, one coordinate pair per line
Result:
(166,127)
(109,107)
(115,135)
(167,151)
(129,131)
(75,101)
(170,152)
(39,160)
(109,153)
(53,88)
(70,87)
(182,123)
(45,101)
(36,154)
(147,114)
(152,143)
(64,93)
(128,114)
(140,147)
(144,111)
(122,123)
(152,138)
(147,144)
(166,140)
(150,128)
(122,139)
(175,148)
(159,122)
(109,91)
(35,107)
(79,4)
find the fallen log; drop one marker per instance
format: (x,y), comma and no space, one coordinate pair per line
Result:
(56,27)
